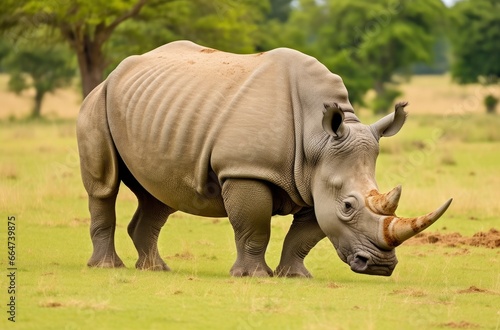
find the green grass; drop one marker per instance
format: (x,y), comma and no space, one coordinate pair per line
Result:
(434,157)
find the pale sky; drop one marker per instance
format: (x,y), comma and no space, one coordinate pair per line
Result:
(449,3)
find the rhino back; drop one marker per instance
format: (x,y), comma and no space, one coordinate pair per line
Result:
(184,118)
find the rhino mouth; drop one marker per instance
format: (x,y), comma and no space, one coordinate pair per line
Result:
(365,263)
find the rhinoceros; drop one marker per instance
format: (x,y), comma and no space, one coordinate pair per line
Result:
(215,134)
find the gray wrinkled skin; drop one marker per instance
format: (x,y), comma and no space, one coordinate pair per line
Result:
(244,136)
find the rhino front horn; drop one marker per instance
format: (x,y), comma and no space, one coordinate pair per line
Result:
(395,230)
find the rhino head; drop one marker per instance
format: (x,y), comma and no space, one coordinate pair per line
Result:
(358,219)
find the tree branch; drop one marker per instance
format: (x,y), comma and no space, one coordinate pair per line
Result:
(104,32)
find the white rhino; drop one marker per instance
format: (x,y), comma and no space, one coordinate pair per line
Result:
(217,134)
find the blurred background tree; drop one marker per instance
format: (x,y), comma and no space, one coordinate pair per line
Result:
(39,63)
(43,67)
(476,44)
(366,42)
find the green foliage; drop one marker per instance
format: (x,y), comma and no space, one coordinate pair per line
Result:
(366,42)
(383,38)
(441,61)
(490,102)
(476,45)
(18,82)
(385,100)
(88,25)
(227,25)
(280,10)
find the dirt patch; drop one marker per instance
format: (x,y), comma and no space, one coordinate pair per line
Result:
(489,239)
(184,255)
(460,325)
(333,285)
(51,304)
(80,304)
(409,292)
(208,50)
(472,289)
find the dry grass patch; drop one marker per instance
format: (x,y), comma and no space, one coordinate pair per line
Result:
(440,95)
(79,304)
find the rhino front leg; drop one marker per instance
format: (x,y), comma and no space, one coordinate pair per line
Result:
(249,207)
(303,235)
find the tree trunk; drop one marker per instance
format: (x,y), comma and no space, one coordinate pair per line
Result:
(379,106)
(88,45)
(37,108)
(379,88)
(92,64)
(88,50)
(384,97)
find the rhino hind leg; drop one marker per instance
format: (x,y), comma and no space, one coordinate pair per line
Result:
(99,169)
(303,235)
(102,232)
(249,207)
(146,224)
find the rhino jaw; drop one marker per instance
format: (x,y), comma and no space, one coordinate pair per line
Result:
(395,230)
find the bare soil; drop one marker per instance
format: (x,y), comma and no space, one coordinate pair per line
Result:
(460,325)
(489,239)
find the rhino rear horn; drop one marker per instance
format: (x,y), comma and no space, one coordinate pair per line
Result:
(333,120)
(384,204)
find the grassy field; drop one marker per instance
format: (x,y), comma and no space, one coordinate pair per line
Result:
(438,154)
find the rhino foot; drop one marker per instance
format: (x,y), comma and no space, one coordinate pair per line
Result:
(156,264)
(292,271)
(258,271)
(111,261)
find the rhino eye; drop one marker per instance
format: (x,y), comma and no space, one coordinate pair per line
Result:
(347,208)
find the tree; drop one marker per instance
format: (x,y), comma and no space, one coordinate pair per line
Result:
(475,44)
(227,25)
(88,26)
(85,24)
(384,38)
(87,29)
(44,68)
(366,42)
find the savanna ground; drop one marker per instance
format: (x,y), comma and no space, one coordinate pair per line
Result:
(446,279)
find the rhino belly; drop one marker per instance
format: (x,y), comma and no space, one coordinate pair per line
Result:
(173,183)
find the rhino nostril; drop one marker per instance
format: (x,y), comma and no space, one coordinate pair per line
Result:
(360,263)
(361,260)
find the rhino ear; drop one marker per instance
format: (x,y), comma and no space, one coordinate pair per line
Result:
(333,120)
(392,123)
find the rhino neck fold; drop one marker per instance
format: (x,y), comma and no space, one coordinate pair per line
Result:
(313,85)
